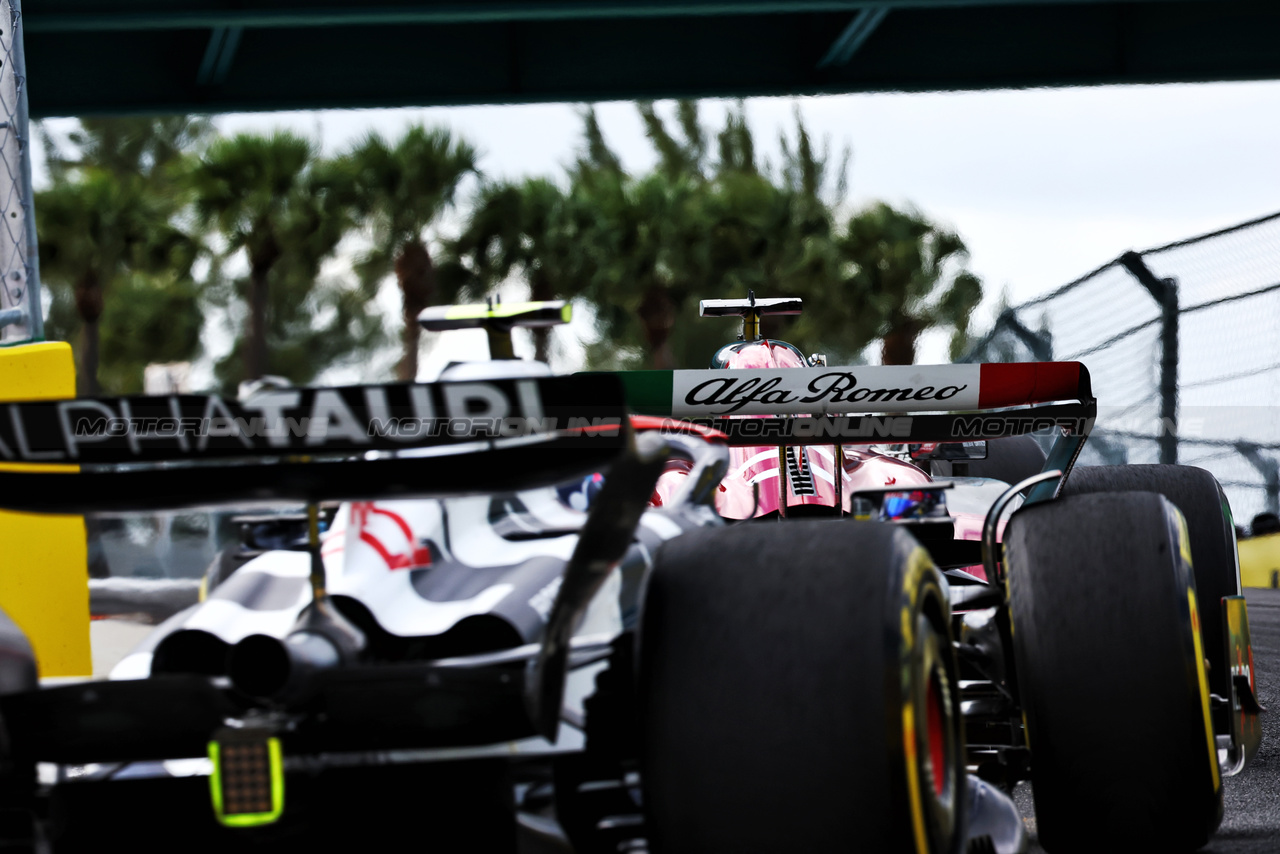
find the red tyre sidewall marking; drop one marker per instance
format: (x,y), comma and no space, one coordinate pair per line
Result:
(937,738)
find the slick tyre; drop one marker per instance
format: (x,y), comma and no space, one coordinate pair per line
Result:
(1111,675)
(798,692)
(1214,555)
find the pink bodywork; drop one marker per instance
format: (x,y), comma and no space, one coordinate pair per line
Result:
(751,487)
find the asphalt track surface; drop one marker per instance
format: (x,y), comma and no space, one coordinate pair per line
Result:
(1251,819)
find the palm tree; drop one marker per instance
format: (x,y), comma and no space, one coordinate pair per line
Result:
(609,238)
(529,228)
(699,226)
(146,146)
(112,224)
(641,250)
(270,197)
(400,189)
(98,232)
(645,240)
(908,271)
(649,235)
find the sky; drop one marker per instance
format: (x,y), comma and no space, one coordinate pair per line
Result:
(1043,185)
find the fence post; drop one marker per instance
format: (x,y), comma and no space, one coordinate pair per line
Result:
(34,307)
(20,310)
(1039,343)
(1165,293)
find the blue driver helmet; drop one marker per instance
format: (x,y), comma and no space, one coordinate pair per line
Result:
(913,504)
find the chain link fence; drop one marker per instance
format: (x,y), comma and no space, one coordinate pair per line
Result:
(20,310)
(1183,345)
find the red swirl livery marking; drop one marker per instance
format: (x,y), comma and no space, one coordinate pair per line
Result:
(417,556)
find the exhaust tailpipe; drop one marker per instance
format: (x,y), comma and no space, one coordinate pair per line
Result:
(269,668)
(273,669)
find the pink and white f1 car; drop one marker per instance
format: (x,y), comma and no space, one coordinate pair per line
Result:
(769,606)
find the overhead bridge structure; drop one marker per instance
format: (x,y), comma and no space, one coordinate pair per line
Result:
(149,56)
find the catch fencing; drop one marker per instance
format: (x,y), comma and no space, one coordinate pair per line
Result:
(20,310)
(1183,344)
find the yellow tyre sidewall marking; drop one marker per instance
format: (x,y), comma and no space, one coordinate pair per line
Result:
(1204,690)
(1184,548)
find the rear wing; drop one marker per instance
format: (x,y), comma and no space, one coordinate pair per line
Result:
(750,310)
(872,404)
(497,320)
(745,307)
(530,315)
(300,445)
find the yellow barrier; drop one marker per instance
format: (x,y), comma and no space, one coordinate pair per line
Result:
(1260,561)
(43,571)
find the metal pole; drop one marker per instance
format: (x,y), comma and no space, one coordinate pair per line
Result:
(1169,374)
(317,576)
(1039,343)
(1165,292)
(20,311)
(34,309)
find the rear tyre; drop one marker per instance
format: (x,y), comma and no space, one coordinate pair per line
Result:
(798,692)
(1214,554)
(1111,675)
